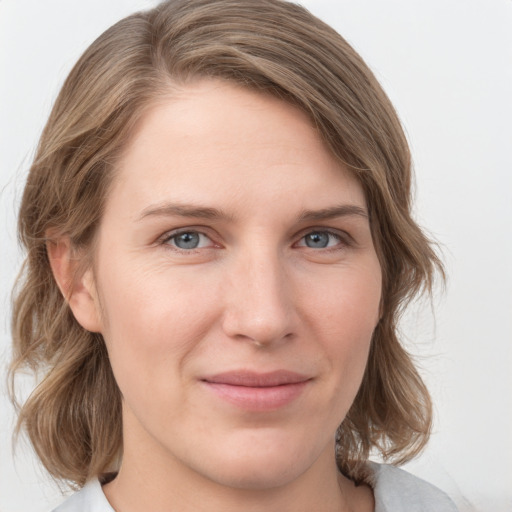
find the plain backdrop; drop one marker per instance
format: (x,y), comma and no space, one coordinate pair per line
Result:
(447,66)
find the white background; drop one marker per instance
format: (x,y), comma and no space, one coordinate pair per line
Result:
(447,66)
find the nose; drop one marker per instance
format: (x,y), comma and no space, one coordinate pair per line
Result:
(259,300)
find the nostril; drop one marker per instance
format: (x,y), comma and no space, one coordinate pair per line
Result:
(257,304)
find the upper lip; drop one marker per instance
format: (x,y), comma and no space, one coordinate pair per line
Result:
(257,379)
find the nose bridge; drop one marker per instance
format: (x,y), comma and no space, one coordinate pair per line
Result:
(259,305)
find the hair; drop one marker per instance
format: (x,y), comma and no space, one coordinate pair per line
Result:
(73,417)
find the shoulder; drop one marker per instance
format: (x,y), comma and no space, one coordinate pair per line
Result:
(89,499)
(396,490)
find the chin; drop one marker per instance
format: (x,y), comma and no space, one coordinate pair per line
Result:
(261,464)
(254,475)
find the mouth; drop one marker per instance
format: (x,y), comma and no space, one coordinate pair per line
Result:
(257,391)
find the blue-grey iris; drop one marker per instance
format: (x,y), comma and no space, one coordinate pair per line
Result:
(317,240)
(189,240)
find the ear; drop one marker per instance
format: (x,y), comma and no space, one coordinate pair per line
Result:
(79,290)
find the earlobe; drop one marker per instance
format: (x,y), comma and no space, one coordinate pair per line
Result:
(78,289)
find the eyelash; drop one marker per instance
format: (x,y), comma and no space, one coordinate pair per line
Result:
(344,240)
(169,237)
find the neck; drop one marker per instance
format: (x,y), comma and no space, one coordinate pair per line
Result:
(135,489)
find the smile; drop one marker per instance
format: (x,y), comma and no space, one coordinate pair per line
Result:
(257,391)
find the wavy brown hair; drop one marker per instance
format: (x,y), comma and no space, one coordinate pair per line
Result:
(73,417)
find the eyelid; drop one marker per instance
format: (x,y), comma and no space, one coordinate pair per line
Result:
(345,239)
(169,235)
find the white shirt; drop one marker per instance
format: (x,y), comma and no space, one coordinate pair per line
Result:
(395,490)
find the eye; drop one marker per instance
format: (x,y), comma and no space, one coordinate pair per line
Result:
(188,240)
(320,240)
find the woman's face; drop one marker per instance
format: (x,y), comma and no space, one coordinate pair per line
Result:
(237,288)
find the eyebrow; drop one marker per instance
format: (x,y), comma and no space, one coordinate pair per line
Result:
(184,210)
(343,210)
(203,212)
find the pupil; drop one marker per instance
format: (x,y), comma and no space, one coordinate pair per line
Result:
(187,240)
(317,240)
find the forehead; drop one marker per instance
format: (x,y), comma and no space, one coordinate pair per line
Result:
(215,141)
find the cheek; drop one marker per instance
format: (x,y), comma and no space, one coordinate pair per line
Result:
(155,327)
(344,313)
(153,323)
(346,303)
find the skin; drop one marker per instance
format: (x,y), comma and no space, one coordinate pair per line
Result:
(253,295)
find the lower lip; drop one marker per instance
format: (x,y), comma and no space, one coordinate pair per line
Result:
(258,398)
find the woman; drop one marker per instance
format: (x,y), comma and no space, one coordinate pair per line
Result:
(219,246)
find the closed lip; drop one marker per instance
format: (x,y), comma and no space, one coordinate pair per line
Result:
(255,379)
(256,391)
